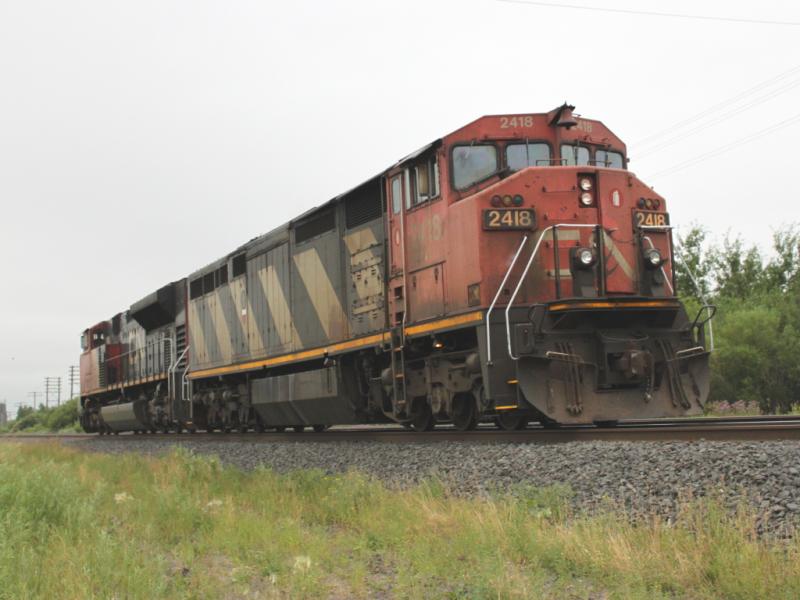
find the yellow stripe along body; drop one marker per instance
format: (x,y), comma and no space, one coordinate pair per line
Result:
(314,353)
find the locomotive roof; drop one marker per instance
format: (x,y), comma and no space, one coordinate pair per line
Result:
(280,234)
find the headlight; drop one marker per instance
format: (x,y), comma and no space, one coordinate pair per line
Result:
(653,258)
(584,258)
(586,184)
(586,199)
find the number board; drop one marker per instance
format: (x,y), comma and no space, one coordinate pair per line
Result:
(509,218)
(650,219)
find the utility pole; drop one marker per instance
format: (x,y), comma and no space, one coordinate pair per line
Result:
(34,395)
(52,385)
(74,377)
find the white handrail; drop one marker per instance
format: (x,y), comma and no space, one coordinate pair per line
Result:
(703,298)
(185,386)
(171,372)
(525,274)
(663,271)
(688,270)
(494,301)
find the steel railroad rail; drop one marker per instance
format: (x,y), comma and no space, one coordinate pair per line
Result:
(766,428)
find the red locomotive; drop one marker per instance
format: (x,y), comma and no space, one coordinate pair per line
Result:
(513,269)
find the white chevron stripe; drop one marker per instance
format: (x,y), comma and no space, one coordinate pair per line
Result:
(320,290)
(278,307)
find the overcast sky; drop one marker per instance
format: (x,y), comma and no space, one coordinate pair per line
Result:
(141,140)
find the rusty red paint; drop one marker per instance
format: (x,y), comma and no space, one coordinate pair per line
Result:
(448,231)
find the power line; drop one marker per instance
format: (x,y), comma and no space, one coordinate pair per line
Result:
(726,147)
(74,378)
(652,13)
(721,118)
(34,395)
(719,105)
(52,385)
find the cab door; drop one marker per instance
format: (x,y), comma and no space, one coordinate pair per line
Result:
(397,189)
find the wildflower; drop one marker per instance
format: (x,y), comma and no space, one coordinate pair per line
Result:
(122,497)
(302,563)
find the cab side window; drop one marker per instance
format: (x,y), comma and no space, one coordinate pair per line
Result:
(425,181)
(397,193)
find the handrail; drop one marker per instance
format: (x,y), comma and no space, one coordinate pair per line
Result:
(528,267)
(663,270)
(173,367)
(185,383)
(663,228)
(144,348)
(691,275)
(496,297)
(705,302)
(135,358)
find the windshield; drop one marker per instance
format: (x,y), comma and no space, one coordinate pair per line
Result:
(473,163)
(574,155)
(519,156)
(609,159)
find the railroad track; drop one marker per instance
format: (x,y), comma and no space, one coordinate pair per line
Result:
(767,428)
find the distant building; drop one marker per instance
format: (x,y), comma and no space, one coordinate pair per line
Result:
(3,414)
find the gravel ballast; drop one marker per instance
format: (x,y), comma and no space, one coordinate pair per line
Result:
(643,477)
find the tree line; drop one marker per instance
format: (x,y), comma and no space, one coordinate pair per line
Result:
(757,326)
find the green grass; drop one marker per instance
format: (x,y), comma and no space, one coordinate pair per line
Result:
(76,525)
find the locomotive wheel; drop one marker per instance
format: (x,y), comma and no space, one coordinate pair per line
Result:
(465,413)
(320,428)
(299,428)
(511,421)
(424,419)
